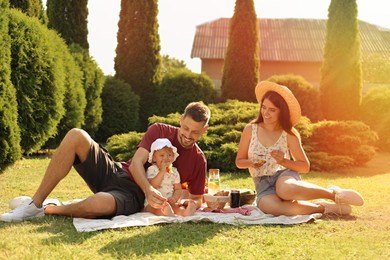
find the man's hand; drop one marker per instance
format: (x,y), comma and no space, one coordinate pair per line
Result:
(154,197)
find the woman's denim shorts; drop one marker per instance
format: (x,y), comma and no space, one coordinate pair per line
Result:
(266,185)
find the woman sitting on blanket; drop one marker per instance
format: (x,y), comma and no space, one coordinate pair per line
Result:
(166,179)
(265,147)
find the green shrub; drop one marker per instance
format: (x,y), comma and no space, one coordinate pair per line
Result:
(120,109)
(93,81)
(74,99)
(38,77)
(181,87)
(322,161)
(122,147)
(352,139)
(376,113)
(329,144)
(306,94)
(10,150)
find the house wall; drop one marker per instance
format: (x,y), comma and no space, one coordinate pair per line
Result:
(308,70)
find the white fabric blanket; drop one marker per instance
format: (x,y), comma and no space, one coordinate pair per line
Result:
(256,217)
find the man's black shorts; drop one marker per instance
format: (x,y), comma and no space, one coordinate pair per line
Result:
(103,174)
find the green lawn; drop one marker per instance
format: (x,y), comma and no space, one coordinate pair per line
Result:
(363,235)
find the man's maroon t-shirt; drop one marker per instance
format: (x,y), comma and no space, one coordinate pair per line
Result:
(191,163)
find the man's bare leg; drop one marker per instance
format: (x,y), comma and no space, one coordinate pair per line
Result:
(76,141)
(98,205)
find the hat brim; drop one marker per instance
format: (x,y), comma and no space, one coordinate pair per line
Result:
(292,103)
(159,144)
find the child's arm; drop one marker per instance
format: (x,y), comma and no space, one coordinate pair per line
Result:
(156,180)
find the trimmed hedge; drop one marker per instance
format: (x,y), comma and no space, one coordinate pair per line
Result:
(38,76)
(93,82)
(181,87)
(307,96)
(10,150)
(329,144)
(120,109)
(375,113)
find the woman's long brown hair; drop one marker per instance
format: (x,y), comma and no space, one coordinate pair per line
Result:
(279,102)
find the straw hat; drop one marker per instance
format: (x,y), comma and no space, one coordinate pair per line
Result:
(159,144)
(293,104)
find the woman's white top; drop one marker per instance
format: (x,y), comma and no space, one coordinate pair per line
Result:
(257,152)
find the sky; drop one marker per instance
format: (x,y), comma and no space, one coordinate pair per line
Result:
(178,20)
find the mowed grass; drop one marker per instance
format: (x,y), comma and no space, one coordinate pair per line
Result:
(363,235)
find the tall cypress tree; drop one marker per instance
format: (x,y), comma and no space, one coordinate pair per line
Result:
(341,74)
(241,66)
(69,18)
(137,60)
(33,8)
(10,149)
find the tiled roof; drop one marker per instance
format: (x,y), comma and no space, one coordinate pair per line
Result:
(286,39)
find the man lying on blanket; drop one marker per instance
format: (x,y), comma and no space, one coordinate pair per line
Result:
(120,188)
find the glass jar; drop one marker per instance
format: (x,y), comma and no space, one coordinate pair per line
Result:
(214,181)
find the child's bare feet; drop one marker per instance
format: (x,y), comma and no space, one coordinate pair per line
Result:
(167,210)
(190,209)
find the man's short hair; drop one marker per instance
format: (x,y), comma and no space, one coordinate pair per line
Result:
(198,111)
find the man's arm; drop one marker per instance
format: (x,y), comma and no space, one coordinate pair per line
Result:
(138,172)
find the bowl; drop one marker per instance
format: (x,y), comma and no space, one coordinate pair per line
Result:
(216,202)
(247,199)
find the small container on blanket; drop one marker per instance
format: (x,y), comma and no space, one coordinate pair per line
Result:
(235,198)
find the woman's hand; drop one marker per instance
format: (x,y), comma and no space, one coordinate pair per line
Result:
(278,156)
(258,163)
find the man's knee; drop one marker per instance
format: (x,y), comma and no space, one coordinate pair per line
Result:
(78,141)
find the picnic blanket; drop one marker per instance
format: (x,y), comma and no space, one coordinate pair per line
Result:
(248,215)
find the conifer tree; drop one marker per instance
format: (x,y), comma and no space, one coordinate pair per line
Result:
(341,74)
(241,65)
(33,8)
(10,149)
(137,60)
(69,18)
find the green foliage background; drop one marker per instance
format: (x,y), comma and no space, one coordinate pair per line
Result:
(341,74)
(328,144)
(241,64)
(10,149)
(38,76)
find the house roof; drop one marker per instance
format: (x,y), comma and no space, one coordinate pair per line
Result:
(286,39)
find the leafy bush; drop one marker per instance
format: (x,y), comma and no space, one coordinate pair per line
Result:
(38,77)
(181,87)
(74,99)
(120,109)
(306,94)
(122,147)
(328,144)
(10,150)
(93,81)
(333,142)
(375,113)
